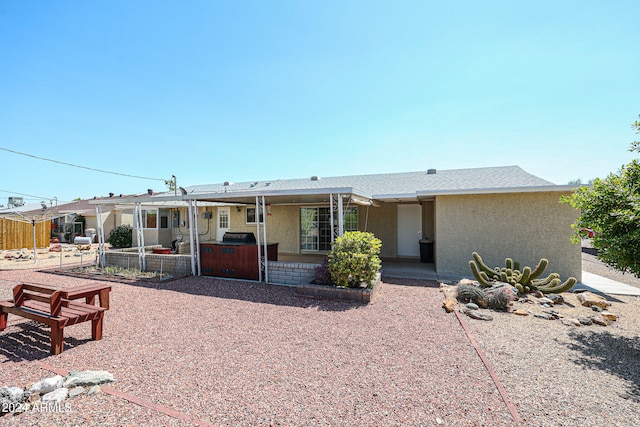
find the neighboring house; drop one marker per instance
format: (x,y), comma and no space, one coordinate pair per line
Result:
(497,211)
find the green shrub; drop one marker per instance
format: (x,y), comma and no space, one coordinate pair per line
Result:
(354,259)
(121,237)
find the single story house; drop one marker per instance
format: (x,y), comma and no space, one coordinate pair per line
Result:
(499,212)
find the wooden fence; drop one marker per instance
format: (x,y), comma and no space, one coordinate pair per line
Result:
(18,234)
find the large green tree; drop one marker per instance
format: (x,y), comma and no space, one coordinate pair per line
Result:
(611,208)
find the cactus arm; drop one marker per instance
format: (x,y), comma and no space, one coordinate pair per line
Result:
(546,280)
(516,265)
(537,272)
(480,276)
(526,274)
(482,266)
(558,288)
(508,263)
(520,288)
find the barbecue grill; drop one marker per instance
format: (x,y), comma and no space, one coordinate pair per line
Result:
(238,237)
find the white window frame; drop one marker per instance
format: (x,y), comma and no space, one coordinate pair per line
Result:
(254,209)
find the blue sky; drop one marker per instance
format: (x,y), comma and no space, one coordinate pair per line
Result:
(216,91)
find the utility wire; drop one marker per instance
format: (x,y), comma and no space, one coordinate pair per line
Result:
(28,195)
(82,167)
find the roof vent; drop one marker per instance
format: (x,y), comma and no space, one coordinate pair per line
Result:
(254,184)
(314,178)
(266,184)
(226,183)
(431,172)
(110,194)
(150,192)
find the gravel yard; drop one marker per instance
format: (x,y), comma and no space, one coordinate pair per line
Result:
(237,353)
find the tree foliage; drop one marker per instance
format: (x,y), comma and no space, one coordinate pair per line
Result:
(611,208)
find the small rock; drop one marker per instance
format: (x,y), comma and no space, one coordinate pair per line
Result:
(76,391)
(546,305)
(609,315)
(596,308)
(56,396)
(544,316)
(439,421)
(93,390)
(585,320)
(521,312)
(449,304)
(76,378)
(47,385)
(472,306)
(599,320)
(538,294)
(545,300)
(571,322)
(474,314)
(589,299)
(556,298)
(10,398)
(467,282)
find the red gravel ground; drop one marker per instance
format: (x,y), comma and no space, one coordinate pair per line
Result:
(243,354)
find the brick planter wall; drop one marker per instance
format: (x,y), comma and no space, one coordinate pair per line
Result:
(291,273)
(363,295)
(177,265)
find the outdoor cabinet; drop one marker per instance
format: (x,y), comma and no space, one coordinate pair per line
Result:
(239,261)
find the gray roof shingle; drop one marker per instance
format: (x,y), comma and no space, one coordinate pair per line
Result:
(402,183)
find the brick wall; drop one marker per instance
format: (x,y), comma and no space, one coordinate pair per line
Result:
(177,265)
(291,273)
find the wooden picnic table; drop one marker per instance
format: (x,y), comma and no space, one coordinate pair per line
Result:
(88,292)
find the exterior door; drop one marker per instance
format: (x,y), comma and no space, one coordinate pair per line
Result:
(409,230)
(222,222)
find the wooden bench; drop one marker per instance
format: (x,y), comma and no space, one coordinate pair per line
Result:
(46,305)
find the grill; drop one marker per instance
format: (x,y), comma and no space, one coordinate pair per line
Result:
(238,237)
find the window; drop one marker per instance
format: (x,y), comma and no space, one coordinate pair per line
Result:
(251,215)
(223,218)
(315,227)
(149,218)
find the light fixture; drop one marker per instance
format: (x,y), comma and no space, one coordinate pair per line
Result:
(238,209)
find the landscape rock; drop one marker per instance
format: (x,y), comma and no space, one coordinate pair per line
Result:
(56,396)
(474,314)
(467,282)
(77,378)
(599,320)
(596,308)
(449,304)
(11,397)
(571,322)
(556,298)
(608,315)
(544,316)
(545,300)
(93,390)
(585,320)
(589,299)
(521,312)
(76,391)
(47,385)
(472,306)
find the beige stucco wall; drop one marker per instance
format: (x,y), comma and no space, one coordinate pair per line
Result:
(382,223)
(522,226)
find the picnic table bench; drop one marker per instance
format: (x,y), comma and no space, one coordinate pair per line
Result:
(48,306)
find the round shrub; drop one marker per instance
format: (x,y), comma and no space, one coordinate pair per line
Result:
(121,237)
(354,259)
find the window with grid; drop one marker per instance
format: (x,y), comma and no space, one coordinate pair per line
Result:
(315,227)
(150,218)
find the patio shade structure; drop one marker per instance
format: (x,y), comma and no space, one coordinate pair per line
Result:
(335,197)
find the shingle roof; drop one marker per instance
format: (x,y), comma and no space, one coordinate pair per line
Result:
(385,185)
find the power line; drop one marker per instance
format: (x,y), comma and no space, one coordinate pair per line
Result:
(28,195)
(81,167)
